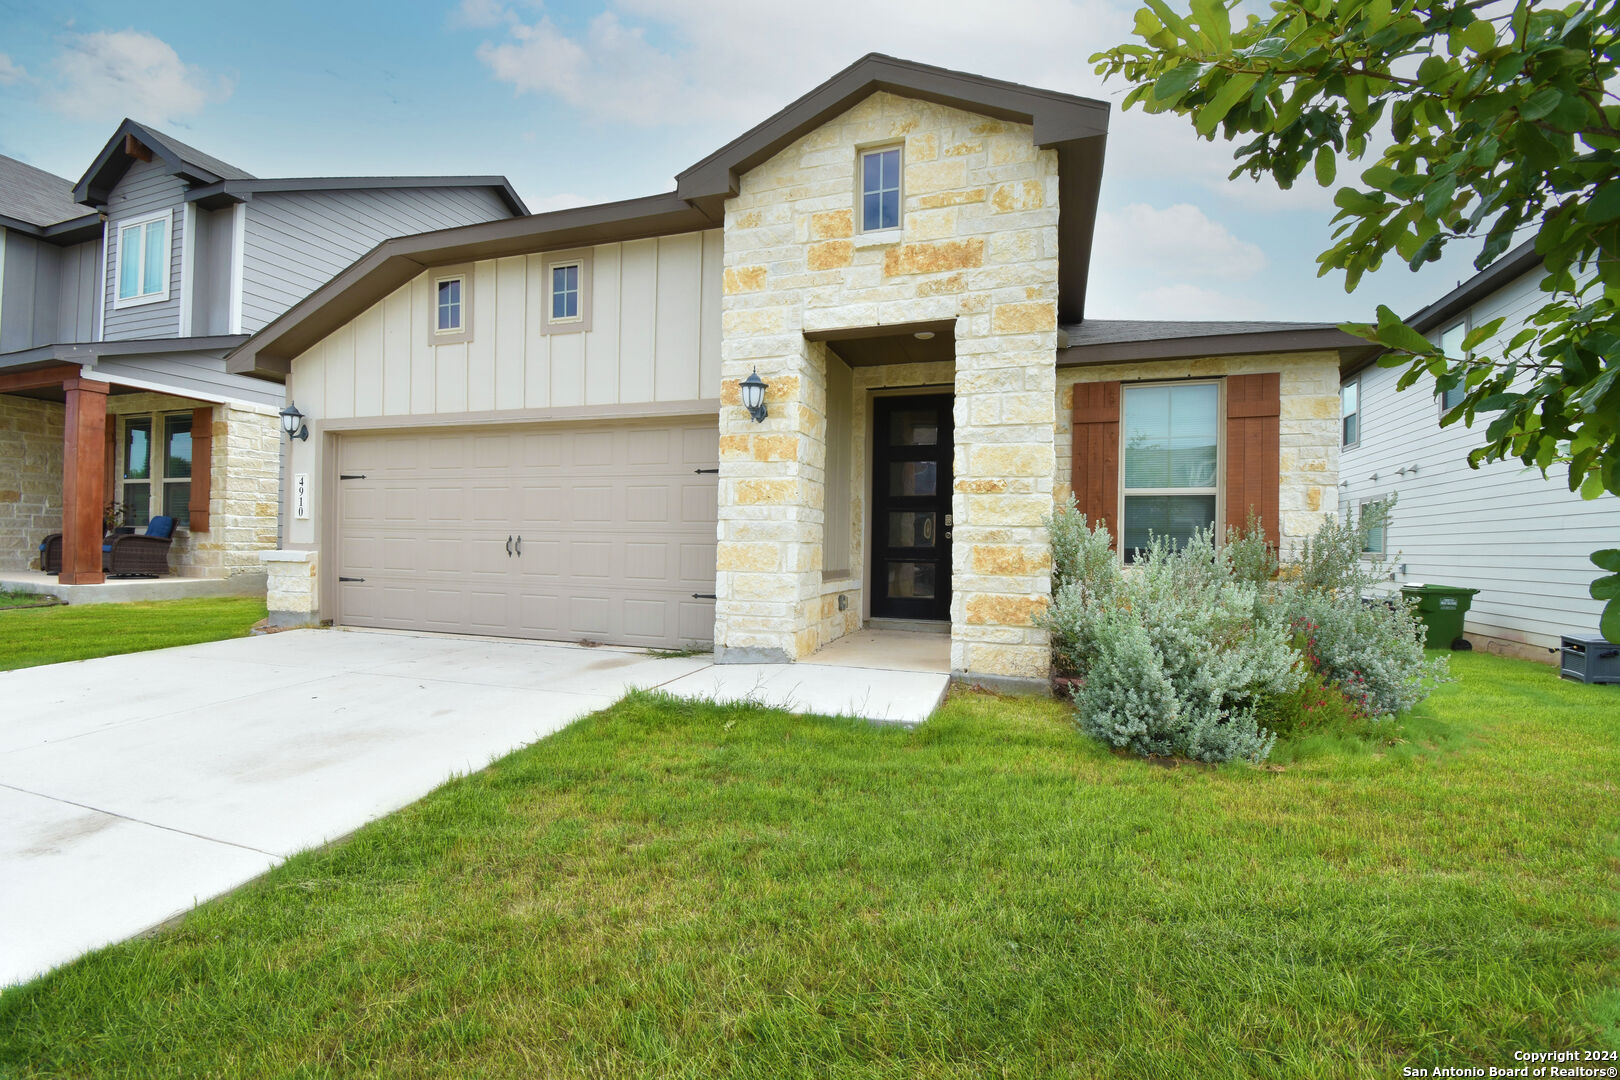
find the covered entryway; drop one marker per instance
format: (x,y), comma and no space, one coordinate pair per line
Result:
(600,532)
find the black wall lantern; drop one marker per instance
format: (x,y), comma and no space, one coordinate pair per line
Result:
(753,396)
(292,422)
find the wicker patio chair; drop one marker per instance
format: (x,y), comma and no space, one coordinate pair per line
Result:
(139,556)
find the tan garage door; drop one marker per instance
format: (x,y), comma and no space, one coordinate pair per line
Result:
(598,532)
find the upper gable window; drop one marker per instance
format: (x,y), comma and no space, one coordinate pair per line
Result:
(880,189)
(1451,343)
(143,260)
(449,305)
(566,298)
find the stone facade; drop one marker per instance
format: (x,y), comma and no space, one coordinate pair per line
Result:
(30,478)
(292,588)
(1308,427)
(977,247)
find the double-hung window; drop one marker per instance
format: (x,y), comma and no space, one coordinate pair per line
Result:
(1374,521)
(564,292)
(448,313)
(1350,412)
(1451,343)
(1170,462)
(143,260)
(156,475)
(880,189)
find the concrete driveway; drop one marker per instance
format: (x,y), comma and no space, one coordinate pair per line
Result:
(133,787)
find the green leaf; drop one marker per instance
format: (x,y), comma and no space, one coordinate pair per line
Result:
(1213,113)
(1541,103)
(1592,486)
(1397,335)
(1326,169)
(1605,205)
(1609,625)
(1482,333)
(1607,559)
(1479,36)
(1437,197)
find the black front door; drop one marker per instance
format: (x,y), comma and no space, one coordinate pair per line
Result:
(911,507)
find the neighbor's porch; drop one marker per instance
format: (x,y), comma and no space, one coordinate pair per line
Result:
(83,458)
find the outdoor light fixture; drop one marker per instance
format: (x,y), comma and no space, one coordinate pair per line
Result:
(753,396)
(292,422)
(924,335)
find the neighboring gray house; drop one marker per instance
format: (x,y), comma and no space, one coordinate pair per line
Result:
(1520,538)
(119,298)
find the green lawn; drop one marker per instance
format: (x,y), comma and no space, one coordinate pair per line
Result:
(674,889)
(78,632)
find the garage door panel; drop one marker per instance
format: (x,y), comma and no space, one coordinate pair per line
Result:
(618,531)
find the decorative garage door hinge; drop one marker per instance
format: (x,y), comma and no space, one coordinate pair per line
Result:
(704,596)
(352,476)
(351,579)
(705,470)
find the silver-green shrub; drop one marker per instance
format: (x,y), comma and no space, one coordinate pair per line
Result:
(1085,579)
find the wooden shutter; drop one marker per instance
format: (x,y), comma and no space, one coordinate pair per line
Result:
(1094,461)
(202,454)
(1253,478)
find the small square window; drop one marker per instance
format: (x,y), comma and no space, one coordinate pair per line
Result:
(449,312)
(566,278)
(880,189)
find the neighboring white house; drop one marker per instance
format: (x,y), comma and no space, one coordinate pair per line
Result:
(1520,538)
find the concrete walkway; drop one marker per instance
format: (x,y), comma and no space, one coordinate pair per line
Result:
(133,787)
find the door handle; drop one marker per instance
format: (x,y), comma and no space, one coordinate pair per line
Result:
(509,546)
(520,547)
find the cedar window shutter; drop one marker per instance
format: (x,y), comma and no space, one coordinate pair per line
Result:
(1094,461)
(1253,476)
(202,453)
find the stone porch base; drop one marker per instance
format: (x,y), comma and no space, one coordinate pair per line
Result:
(128,590)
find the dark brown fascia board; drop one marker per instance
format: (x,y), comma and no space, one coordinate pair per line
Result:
(1080,169)
(268,354)
(98,180)
(1270,341)
(226,192)
(88,352)
(74,231)
(938,327)
(1521,260)
(1056,117)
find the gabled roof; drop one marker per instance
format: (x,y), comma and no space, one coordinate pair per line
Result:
(1076,127)
(214,196)
(39,203)
(186,162)
(1120,341)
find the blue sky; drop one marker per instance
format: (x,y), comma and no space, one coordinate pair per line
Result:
(583,102)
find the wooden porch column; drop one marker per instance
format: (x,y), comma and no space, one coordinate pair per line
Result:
(84,466)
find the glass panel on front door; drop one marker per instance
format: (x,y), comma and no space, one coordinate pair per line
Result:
(911,519)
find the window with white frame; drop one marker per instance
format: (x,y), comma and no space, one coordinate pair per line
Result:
(447,317)
(1169,462)
(1451,343)
(1374,521)
(155,479)
(880,189)
(566,277)
(143,260)
(565,292)
(1350,412)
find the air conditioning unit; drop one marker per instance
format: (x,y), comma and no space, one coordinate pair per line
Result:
(1590,660)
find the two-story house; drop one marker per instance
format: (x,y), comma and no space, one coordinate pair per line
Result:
(120,296)
(1521,538)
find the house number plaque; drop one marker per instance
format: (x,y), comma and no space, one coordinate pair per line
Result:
(301,496)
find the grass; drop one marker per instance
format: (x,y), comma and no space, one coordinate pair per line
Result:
(20,599)
(680,889)
(79,632)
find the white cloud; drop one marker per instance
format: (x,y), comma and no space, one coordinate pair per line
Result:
(109,74)
(1179,240)
(10,71)
(481,13)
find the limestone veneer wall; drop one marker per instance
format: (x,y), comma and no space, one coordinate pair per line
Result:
(1308,453)
(30,478)
(978,247)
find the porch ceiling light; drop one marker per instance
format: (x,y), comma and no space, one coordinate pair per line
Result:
(292,422)
(924,335)
(753,396)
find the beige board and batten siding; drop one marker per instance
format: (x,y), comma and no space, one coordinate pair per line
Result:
(654,342)
(50,291)
(1522,539)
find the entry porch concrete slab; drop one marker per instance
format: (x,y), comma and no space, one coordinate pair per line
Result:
(129,590)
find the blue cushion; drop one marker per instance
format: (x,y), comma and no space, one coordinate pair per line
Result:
(106,547)
(160,527)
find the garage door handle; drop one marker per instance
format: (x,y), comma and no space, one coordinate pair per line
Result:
(508,546)
(520,547)
(351,579)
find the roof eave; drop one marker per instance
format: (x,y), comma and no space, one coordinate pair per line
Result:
(1314,339)
(221,193)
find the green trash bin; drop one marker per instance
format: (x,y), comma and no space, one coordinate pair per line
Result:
(1442,607)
